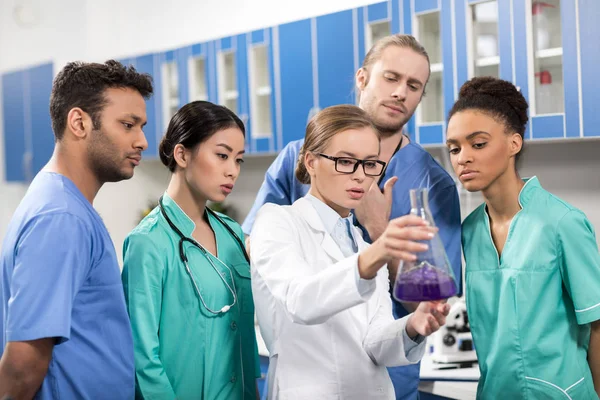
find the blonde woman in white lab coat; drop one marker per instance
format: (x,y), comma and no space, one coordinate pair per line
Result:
(320,291)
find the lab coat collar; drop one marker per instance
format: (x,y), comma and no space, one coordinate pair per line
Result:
(327,215)
(307,211)
(528,190)
(178,216)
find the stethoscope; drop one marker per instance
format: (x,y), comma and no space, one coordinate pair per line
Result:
(184,259)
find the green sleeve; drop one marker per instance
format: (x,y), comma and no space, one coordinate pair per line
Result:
(580,264)
(142,281)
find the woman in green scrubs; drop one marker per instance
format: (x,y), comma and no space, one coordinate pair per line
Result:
(532,262)
(190,300)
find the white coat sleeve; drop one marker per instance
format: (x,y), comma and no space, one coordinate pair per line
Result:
(308,297)
(385,338)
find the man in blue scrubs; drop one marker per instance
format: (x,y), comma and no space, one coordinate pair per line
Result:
(390,86)
(65,328)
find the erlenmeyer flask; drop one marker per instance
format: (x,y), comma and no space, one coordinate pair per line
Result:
(430,276)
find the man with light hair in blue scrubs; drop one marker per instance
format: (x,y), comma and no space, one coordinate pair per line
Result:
(390,84)
(64,324)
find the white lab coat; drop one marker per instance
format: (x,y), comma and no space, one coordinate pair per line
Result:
(325,339)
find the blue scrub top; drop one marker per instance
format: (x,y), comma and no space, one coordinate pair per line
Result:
(416,168)
(61,279)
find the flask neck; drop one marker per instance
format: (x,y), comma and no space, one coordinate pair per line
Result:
(419,204)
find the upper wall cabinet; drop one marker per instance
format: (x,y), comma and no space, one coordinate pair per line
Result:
(556,56)
(275,79)
(263,93)
(28,136)
(378,23)
(197,66)
(432,23)
(482,34)
(295,66)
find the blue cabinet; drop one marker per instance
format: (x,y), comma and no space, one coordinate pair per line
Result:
(28,136)
(293,55)
(337,60)
(276,78)
(149,64)
(13,100)
(40,88)
(263,92)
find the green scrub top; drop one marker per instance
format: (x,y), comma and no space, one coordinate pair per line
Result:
(181,349)
(530,309)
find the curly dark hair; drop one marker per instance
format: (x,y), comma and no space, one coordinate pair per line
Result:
(82,85)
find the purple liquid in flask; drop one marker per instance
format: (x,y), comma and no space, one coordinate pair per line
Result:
(430,277)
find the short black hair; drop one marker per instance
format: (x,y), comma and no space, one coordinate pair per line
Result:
(83,85)
(193,124)
(497,98)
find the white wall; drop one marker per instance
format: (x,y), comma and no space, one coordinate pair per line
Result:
(97,30)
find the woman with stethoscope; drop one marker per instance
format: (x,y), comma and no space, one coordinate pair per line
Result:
(186,274)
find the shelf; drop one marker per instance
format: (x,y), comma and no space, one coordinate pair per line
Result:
(263,91)
(231,95)
(548,53)
(487,61)
(262,135)
(437,67)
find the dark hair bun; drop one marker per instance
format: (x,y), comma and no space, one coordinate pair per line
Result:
(498,89)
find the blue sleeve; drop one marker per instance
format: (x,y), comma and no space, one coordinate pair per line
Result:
(278,184)
(52,260)
(445,207)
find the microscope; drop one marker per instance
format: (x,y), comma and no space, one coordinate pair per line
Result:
(453,342)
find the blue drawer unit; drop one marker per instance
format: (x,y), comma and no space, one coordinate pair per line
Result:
(293,58)
(148,64)
(13,100)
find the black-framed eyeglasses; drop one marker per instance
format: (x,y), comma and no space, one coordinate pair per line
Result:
(349,165)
